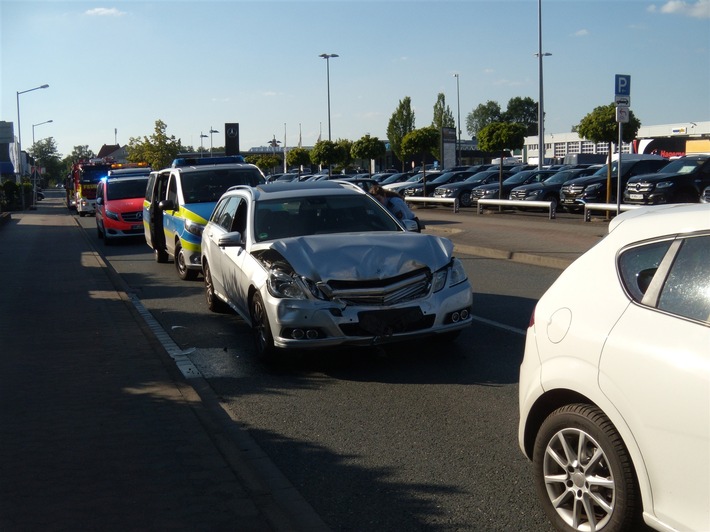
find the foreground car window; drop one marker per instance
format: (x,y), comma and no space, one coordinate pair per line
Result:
(638,265)
(686,291)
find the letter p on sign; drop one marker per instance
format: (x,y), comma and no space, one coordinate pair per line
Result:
(622,85)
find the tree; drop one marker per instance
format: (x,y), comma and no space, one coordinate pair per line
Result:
(401,122)
(324,153)
(500,136)
(158,150)
(523,111)
(298,157)
(343,147)
(600,126)
(443,117)
(421,142)
(368,148)
(266,162)
(46,156)
(481,116)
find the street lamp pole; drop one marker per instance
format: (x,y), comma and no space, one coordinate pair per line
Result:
(540,106)
(458,126)
(212,131)
(19,139)
(35,125)
(202,151)
(327,65)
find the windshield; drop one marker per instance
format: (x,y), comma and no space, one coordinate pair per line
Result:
(93,174)
(683,166)
(310,215)
(443,178)
(520,177)
(124,189)
(391,179)
(558,178)
(208,185)
(480,176)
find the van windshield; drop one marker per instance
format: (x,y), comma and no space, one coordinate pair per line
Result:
(208,185)
(124,189)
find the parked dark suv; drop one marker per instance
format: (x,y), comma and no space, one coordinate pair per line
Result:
(592,189)
(680,181)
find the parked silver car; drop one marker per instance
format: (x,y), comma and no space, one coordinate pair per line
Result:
(317,264)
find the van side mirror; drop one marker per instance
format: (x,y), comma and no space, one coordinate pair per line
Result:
(166,205)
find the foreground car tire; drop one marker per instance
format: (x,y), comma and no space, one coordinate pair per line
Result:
(263,340)
(583,474)
(214,303)
(182,270)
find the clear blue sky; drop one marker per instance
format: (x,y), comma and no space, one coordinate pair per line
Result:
(122,65)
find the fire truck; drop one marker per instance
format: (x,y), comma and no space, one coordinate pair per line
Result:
(81,184)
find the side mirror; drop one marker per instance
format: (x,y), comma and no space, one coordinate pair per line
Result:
(233,239)
(166,205)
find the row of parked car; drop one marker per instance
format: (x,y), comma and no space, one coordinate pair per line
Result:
(646,180)
(276,254)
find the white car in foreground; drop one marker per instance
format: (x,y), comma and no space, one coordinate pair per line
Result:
(615,381)
(323,264)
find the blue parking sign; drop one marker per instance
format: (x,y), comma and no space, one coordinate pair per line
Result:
(622,85)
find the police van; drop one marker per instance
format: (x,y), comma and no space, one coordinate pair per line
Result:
(179,200)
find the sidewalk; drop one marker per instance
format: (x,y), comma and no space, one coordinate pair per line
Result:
(98,429)
(526,237)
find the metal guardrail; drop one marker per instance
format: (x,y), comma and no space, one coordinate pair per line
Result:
(430,199)
(521,204)
(589,207)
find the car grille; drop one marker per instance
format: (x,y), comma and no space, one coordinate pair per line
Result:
(639,187)
(136,216)
(380,292)
(517,195)
(572,191)
(476,193)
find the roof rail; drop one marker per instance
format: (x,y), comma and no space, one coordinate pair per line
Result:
(198,161)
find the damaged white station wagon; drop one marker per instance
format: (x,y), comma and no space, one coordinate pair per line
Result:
(311,265)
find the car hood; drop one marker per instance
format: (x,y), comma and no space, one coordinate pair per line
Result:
(530,186)
(657,176)
(361,256)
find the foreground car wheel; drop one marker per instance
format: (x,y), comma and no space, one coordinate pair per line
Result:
(214,303)
(263,340)
(465,199)
(583,473)
(182,270)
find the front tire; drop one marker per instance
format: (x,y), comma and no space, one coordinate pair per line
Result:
(465,199)
(583,473)
(183,271)
(261,330)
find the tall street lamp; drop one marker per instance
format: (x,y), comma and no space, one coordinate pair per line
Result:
(540,107)
(327,65)
(458,127)
(19,138)
(202,151)
(35,125)
(212,131)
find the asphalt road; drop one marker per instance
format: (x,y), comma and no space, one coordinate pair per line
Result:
(416,437)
